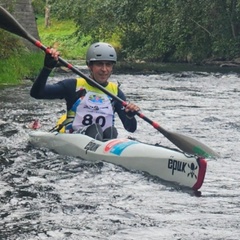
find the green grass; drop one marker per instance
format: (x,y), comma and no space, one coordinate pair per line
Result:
(61,35)
(18,67)
(26,64)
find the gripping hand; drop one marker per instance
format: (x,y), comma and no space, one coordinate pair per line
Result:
(50,60)
(131,110)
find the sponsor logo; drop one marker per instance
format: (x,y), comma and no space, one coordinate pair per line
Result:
(175,165)
(117,146)
(112,143)
(180,166)
(192,170)
(92,146)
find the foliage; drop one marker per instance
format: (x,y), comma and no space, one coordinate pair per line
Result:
(11,44)
(39,6)
(61,35)
(163,30)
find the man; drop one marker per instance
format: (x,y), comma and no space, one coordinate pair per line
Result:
(89,110)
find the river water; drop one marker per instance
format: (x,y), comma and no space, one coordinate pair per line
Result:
(47,196)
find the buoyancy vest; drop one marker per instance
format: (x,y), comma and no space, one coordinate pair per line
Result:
(94,107)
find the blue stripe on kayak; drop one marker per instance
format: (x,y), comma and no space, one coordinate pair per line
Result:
(118,148)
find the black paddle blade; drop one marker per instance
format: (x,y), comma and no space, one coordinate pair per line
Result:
(9,23)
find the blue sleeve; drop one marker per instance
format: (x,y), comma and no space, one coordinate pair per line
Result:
(130,124)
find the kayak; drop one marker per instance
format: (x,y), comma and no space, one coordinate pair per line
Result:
(168,164)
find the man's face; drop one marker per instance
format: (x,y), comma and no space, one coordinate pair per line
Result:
(101,71)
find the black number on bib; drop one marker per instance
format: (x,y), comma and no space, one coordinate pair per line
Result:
(87,120)
(101,120)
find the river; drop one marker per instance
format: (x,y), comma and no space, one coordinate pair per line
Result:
(47,196)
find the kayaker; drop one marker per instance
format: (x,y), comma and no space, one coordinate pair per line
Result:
(89,110)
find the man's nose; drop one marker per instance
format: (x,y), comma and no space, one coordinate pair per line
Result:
(104,66)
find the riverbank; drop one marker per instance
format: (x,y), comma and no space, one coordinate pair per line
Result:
(16,68)
(71,47)
(158,68)
(27,66)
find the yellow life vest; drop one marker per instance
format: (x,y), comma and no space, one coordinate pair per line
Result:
(67,118)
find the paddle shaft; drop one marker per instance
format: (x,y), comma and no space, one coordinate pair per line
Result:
(185,143)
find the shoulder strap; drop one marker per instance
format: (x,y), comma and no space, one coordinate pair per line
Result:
(82,83)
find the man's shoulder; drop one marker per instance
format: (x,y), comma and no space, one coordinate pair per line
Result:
(69,85)
(68,81)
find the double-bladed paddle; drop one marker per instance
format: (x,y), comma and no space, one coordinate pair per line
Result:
(185,143)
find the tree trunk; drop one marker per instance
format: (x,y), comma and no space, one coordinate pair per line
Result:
(47,15)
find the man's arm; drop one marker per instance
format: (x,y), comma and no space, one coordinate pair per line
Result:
(128,120)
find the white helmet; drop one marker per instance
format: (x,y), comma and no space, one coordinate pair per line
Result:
(101,51)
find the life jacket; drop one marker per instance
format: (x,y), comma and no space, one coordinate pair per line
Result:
(94,107)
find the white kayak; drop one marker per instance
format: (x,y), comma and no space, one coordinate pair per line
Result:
(168,164)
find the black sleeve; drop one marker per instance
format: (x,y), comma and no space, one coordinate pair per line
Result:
(129,123)
(64,89)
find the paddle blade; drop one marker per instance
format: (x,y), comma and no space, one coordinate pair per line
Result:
(185,143)
(9,23)
(188,144)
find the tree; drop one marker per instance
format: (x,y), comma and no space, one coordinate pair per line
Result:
(47,15)
(163,30)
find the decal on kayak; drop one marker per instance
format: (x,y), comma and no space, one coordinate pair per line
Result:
(117,146)
(92,146)
(180,166)
(192,170)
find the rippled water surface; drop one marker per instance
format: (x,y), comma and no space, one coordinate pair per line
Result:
(47,196)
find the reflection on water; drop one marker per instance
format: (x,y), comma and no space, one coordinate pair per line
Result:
(47,196)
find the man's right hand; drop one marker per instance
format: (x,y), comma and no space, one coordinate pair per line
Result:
(51,58)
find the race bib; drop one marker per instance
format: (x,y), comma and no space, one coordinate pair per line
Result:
(94,108)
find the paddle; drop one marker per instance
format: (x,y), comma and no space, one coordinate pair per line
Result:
(185,143)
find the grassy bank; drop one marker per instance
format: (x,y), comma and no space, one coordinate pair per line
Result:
(24,64)
(61,34)
(19,67)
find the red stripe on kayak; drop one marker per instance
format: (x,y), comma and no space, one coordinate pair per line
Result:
(201,173)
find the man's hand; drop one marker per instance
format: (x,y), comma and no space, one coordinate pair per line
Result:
(131,109)
(51,58)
